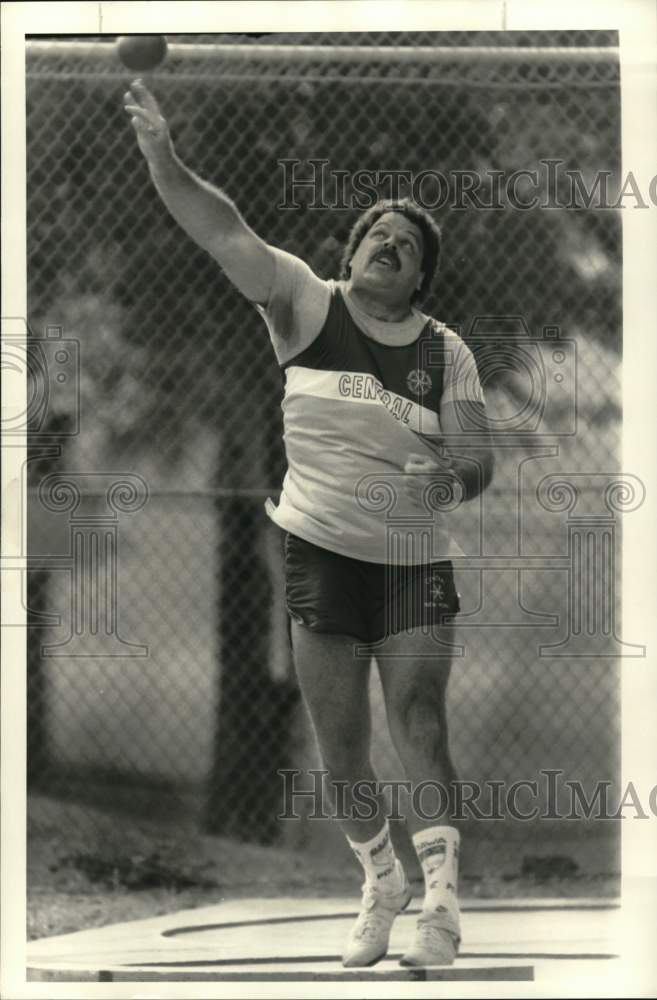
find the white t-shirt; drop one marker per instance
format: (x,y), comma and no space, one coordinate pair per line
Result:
(347,432)
(298,306)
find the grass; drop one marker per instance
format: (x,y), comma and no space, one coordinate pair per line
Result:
(88,867)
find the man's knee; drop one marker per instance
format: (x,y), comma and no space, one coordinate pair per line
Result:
(419,715)
(348,761)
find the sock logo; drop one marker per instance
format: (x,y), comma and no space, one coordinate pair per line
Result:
(381,846)
(437,847)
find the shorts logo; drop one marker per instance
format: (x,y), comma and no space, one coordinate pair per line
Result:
(418,381)
(436,593)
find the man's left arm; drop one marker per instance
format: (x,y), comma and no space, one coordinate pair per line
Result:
(467,444)
(464,421)
(464,449)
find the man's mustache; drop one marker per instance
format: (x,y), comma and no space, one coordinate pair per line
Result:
(387,253)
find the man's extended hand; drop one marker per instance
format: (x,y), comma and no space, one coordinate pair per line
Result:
(419,472)
(148,122)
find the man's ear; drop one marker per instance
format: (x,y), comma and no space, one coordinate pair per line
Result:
(420,280)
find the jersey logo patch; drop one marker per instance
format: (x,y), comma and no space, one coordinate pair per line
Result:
(418,381)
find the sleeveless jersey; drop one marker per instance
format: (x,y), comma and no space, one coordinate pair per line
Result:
(354,410)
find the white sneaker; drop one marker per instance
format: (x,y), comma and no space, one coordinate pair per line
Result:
(368,939)
(436,941)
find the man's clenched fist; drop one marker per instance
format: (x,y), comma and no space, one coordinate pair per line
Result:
(419,472)
(147,120)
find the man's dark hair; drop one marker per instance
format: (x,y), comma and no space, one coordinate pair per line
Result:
(419,217)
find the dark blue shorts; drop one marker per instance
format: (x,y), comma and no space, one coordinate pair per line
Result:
(328,592)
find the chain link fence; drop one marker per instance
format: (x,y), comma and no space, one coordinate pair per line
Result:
(171,680)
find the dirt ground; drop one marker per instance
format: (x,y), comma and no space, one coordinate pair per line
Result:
(88,868)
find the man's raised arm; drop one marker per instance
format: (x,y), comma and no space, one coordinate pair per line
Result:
(204,212)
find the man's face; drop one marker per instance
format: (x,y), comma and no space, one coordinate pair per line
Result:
(389,258)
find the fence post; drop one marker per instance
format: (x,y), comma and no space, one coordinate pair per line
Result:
(253,718)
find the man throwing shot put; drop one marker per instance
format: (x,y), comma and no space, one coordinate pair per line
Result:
(376,393)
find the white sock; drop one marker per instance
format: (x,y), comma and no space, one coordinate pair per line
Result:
(438,851)
(377,856)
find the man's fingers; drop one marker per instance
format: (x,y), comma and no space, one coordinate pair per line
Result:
(429,466)
(130,97)
(419,468)
(144,97)
(134,109)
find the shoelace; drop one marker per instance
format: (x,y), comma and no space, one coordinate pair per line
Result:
(430,934)
(370,896)
(369,920)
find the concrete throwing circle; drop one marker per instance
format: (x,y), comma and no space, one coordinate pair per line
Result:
(301,940)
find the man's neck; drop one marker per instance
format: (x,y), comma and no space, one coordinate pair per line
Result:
(373,305)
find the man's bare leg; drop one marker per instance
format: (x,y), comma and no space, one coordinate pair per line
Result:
(414,675)
(414,680)
(335,686)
